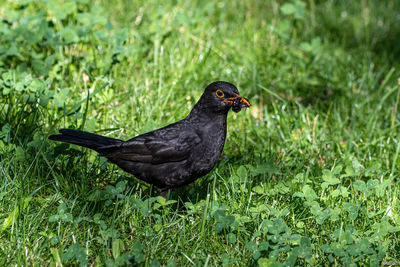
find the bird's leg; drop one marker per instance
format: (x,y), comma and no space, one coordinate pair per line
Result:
(165,193)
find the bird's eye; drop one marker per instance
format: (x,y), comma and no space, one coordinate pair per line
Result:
(219,93)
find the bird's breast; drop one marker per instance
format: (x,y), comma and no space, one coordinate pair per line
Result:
(209,150)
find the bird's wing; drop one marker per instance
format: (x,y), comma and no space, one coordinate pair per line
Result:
(154,148)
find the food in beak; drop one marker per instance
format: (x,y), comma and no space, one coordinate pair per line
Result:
(239,102)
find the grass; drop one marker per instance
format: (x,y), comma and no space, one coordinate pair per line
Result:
(309,175)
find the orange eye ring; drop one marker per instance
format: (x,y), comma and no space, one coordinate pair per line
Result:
(219,93)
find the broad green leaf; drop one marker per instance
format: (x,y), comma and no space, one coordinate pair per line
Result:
(309,193)
(383,228)
(20,153)
(66,217)
(117,247)
(371,184)
(362,187)
(161,200)
(251,245)
(69,34)
(288,9)
(37,140)
(258,209)
(69,7)
(268,262)
(10,219)
(329,178)
(155,263)
(77,252)
(36,85)
(258,189)
(231,238)
(121,36)
(60,97)
(61,9)
(137,251)
(53,218)
(14,214)
(61,208)
(352,210)
(241,172)
(19,86)
(120,186)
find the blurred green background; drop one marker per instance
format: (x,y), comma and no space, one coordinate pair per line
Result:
(309,174)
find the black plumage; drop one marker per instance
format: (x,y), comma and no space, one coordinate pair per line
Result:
(175,155)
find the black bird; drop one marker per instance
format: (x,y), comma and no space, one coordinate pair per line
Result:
(175,155)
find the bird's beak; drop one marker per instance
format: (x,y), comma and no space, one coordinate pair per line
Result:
(238,101)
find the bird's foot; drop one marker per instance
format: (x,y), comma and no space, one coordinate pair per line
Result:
(165,193)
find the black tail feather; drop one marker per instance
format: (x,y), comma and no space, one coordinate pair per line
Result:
(85,139)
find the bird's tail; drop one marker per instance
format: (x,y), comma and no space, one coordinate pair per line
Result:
(85,139)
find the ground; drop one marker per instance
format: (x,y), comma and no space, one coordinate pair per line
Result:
(309,174)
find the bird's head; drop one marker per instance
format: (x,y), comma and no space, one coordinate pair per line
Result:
(221,96)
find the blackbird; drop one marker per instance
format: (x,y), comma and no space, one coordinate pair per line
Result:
(177,154)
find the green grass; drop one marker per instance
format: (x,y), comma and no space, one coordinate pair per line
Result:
(309,175)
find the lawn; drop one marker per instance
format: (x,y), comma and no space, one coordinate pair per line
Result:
(310,174)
